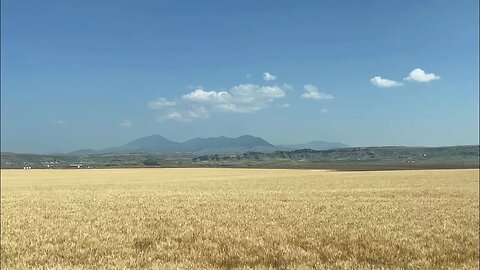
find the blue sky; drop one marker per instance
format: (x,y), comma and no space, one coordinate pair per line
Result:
(93,74)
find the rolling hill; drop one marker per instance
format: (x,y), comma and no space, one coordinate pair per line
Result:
(355,158)
(317,145)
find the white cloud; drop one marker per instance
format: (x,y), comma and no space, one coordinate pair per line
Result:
(59,122)
(378,81)
(126,123)
(269,77)
(419,75)
(252,92)
(324,111)
(201,95)
(242,98)
(312,92)
(161,103)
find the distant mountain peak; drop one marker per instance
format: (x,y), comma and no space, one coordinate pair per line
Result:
(221,144)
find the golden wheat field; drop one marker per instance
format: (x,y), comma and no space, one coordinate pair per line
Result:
(239,219)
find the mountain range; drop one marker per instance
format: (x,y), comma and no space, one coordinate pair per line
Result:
(222,144)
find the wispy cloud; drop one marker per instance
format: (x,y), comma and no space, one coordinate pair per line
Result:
(419,75)
(312,92)
(324,111)
(288,87)
(187,116)
(59,122)
(161,103)
(126,123)
(269,77)
(176,116)
(378,81)
(199,112)
(284,105)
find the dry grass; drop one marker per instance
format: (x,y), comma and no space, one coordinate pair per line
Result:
(239,218)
